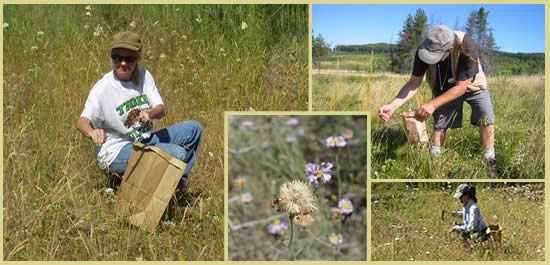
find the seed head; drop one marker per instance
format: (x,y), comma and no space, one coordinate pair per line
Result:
(296,199)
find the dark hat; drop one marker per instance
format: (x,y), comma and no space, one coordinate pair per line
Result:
(462,189)
(439,39)
(128,40)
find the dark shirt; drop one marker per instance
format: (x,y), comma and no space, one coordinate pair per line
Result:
(466,68)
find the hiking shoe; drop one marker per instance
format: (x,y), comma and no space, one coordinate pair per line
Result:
(492,170)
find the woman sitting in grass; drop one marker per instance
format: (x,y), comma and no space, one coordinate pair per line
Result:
(121,107)
(473,226)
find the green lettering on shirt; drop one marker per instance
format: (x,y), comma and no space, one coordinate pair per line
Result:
(132,103)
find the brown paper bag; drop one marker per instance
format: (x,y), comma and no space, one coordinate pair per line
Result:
(415,129)
(149,182)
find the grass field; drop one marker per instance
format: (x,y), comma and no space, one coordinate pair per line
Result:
(407,223)
(264,153)
(518,103)
(205,59)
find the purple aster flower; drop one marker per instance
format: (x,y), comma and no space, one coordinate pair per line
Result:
(336,239)
(277,227)
(291,139)
(246,197)
(335,141)
(345,206)
(318,173)
(292,122)
(247,124)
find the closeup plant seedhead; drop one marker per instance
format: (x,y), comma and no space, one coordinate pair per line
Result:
(296,199)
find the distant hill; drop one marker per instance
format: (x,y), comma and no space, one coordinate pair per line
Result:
(508,63)
(380,47)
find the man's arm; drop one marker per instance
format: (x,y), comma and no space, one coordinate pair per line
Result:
(405,94)
(455,92)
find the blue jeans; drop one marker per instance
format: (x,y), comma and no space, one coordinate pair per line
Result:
(181,141)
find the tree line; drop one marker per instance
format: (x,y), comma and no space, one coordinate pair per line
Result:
(400,56)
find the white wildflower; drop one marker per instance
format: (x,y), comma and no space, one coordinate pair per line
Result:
(40,33)
(244,25)
(169,223)
(246,197)
(156,23)
(34,48)
(88,13)
(133,24)
(109,192)
(198,19)
(184,37)
(86,26)
(6,25)
(162,56)
(88,7)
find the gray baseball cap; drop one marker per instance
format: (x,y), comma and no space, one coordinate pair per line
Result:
(462,189)
(439,39)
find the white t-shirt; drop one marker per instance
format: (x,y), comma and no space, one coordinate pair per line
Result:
(108,105)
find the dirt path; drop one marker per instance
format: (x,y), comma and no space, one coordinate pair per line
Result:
(351,73)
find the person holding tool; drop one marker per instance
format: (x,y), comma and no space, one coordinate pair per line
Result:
(455,75)
(474,227)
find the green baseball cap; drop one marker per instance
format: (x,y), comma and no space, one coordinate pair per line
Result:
(128,40)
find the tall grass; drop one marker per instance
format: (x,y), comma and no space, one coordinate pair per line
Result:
(518,103)
(269,153)
(407,223)
(205,59)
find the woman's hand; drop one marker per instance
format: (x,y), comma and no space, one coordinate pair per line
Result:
(452,229)
(386,112)
(144,117)
(97,136)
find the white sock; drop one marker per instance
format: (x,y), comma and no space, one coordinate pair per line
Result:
(488,154)
(436,150)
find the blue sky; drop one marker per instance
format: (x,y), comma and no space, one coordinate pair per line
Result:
(517,28)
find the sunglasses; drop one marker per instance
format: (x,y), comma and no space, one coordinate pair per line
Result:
(128,59)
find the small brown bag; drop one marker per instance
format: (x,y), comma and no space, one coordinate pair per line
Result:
(414,129)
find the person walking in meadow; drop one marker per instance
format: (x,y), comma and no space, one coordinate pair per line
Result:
(121,107)
(474,227)
(455,75)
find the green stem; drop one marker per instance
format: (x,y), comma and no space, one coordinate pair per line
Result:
(293,255)
(338,174)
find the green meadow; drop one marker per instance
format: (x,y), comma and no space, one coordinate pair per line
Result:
(518,103)
(205,59)
(407,224)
